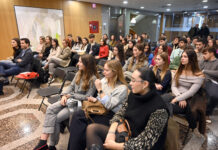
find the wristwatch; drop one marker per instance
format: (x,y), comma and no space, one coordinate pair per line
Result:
(100,91)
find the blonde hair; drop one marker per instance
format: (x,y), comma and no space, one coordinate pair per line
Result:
(116,68)
(164,56)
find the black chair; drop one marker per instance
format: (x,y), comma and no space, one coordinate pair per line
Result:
(52,90)
(54,99)
(68,69)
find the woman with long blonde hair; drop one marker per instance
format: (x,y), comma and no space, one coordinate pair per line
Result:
(112,91)
(162,73)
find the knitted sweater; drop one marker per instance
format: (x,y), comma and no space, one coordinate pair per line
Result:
(210,69)
(114,97)
(77,92)
(188,86)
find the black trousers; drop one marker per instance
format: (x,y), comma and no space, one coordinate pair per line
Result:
(79,123)
(212,92)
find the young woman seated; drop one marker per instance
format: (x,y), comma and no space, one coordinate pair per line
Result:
(145,112)
(54,52)
(138,60)
(77,46)
(63,59)
(129,51)
(80,51)
(103,52)
(15,43)
(148,53)
(40,48)
(161,48)
(162,73)
(186,83)
(112,91)
(80,89)
(118,53)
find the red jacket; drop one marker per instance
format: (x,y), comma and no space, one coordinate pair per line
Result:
(104,51)
(169,50)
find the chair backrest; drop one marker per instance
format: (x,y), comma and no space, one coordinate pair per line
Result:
(69,77)
(59,73)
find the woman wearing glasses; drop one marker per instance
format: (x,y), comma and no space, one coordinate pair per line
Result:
(148,130)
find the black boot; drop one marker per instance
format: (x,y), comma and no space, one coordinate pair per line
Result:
(52,148)
(42,145)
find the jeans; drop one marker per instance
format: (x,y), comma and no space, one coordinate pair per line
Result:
(8,69)
(211,89)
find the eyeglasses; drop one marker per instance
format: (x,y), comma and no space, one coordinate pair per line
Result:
(134,80)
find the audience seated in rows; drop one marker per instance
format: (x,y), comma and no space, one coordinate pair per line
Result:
(103,52)
(48,45)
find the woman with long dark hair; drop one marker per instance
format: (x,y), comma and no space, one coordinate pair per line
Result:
(138,60)
(15,43)
(118,53)
(148,53)
(129,51)
(186,83)
(80,89)
(145,112)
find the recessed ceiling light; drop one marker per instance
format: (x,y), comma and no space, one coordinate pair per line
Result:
(204,1)
(167,9)
(169,4)
(216,10)
(205,7)
(142,7)
(185,12)
(137,12)
(125,2)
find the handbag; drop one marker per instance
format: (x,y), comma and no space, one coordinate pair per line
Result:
(123,132)
(96,108)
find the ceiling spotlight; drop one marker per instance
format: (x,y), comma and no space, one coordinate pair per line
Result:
(216,10)
(125,2)
(185,12)
(167,9)
(205,7)
(204,1)
(137,12)
(142,7)
(169,4)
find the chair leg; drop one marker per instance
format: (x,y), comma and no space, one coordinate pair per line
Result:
(41,103)
(186,136)
(23,86)
(12,78)
(30,89)
(16,83)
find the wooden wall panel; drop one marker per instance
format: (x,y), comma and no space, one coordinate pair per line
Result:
(76,19)
(77,15)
